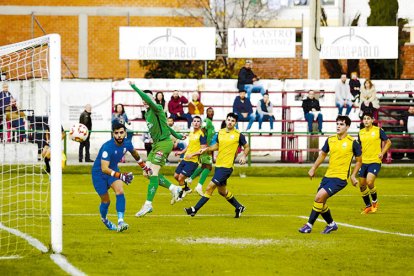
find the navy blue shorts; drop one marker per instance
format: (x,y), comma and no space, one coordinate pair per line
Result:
(102,182)
(332,185)
(186,168)
(373,168)
(221,175)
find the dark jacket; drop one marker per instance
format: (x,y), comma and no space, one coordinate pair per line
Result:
(404,117)
(5,98)
(86,119)
(245,77)
(176,105)
(352,84)
(242,107)
(309,104)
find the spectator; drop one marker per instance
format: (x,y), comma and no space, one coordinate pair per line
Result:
(355,85)
(86,119)
(407,120)
(246,80)
(243,108)
(343,96)
(119,117)
(265,111)
(147,139)
(178,144)
(368,99)
(16,117)
(159,99)
(312,111)
(5,99)
(176,108)
(195,107)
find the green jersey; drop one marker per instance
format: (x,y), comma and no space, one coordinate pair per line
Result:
(156,119)
(210,131)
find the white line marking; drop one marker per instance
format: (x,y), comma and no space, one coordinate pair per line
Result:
(232,241)
(32,241)
(11,257)
(63,263)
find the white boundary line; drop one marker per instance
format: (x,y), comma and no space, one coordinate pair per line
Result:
(57,258)
(272,215)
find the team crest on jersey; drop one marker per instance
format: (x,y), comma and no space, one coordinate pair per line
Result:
(372,133)
(116,151)
(344,145)
(149,125)
(232,136)
(159,153)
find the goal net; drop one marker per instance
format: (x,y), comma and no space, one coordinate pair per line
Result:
(30,129)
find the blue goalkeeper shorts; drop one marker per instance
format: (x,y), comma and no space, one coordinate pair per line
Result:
(102,182)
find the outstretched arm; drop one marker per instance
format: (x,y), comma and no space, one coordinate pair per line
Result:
(141,162)
(176,134)
(144,96)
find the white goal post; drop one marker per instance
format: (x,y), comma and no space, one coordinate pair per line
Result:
(32,71)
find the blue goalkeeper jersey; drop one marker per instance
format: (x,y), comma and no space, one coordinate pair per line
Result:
(113,153)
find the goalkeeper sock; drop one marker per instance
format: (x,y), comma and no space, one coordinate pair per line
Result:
(203,200)
(196,172)
(232,200)
(316,210)
(164,182)
(120,206)
(203,176)
(103,209)
(47,162)
(152,187)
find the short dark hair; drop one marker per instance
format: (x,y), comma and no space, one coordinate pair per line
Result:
(368,113)
(118,126)
(197,117)
(344,119)
(147,91)
(233,115)
(242,90)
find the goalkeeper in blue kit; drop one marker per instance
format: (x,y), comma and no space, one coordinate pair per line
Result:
(106,174)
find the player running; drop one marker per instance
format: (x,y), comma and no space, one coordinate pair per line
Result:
(342,148)
(371,138)
(206,159)
(105,175)
(228,141)
(197,141)
(161,148)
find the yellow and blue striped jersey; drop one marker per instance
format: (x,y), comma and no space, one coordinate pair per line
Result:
(370,141)
(341,152)
(228,143)
(196,139)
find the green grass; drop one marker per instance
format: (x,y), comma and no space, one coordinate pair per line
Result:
(264,241)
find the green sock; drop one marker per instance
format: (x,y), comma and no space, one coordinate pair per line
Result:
(203,176)
(152,187)
(196,172)
(164,182)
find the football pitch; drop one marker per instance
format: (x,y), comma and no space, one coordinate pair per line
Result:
(264,241)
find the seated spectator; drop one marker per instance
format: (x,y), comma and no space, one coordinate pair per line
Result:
(264,111)
(312,111)
(195,107)
(407,120)
(368,99)
(247,80)
(16,118)
(176,108)
(343,96)
(178,144)
(355,85)
(120,117)
(159,99)
(244,110)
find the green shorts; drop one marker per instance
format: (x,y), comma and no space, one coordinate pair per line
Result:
(206,158)
(160,151)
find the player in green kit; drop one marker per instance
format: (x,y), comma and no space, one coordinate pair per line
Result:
(161,148)
(206,159)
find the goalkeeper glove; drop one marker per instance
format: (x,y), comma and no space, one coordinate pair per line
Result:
(125,177)
(144,167)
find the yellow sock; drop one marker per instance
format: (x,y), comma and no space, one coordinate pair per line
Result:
(325,208)
(229,195)
(318,207)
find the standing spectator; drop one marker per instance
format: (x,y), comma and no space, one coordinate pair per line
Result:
(176,108)
(120,117)
(159,99)
(246,80)
(243,108)
(368,99)
(265,111)
(407,120)
(312,110)
(343,96)
(355,85)
(5,99)
(86,119)
(195,107)
(16,117)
